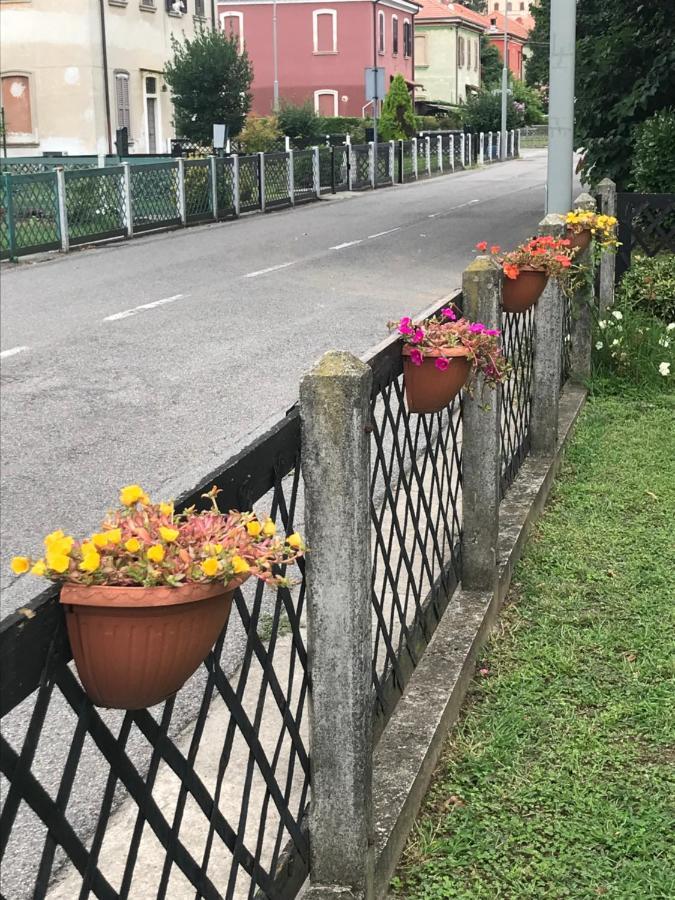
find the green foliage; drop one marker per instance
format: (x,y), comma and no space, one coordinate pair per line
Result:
(483,112)
(259,134)
(450,121)
(536,72)
(653,165)
(625,74)
(479,6)
(649,286)
(398,119)
(340,124)
(557,783)
(301,124)
(530,99)
(490,63)
(210,81)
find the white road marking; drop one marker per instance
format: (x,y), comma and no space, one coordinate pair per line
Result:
(265,271)
(462,205)
(136,309)
(433,215)
(346,244)
(382,233)
(12,352)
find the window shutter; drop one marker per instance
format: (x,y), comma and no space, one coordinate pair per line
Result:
(122,90)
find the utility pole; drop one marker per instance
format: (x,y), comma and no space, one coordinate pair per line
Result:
(561,106)
(505,87)
(275,57)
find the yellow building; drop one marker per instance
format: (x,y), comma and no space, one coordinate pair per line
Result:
(75,71)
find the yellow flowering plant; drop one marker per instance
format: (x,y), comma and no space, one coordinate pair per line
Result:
(602,227)
(147,544)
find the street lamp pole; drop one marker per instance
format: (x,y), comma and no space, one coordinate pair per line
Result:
(505,87)
(561,106)
(275,56)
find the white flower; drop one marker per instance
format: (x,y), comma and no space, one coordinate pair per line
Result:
(603,324)
(617,315)
(664,369)
(664,342)
(599,345)
(615,342)
(670,327)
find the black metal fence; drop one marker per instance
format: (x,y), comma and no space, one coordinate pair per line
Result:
(646,225)
(518,332)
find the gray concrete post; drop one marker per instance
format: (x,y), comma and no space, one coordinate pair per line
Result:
(261,181)
(335,414)
(128,210)
(290,171)
(316,169)
(607,192)
(415,160)
(482,293)
(582,308)
(63,208)
(213,175)
(180,191)
(548,325)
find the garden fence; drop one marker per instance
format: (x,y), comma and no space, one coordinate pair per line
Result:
(646,225)
(56,203)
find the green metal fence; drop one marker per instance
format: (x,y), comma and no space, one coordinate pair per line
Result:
(95,204)
(155,201)
(31,214)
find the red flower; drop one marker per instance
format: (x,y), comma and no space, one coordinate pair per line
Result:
(511,271)
(495,249)
(481,245)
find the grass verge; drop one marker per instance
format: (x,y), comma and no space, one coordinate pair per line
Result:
(559,778)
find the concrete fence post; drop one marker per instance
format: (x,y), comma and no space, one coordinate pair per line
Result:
(128,207)
(287,143)
(427,153)
(335,415)
(439,152)
(392,161)
(180,189)
(548,329)
(481,148)
(350,158)
(498,153)
(452,153)
(414,156)
(462,149)
(372,164)
(582,308)
(63,209)
(261,180)
(214,187)
(518,136)
(236,193)
(489,146)
(607,194)
(470,154)
(316,170)
(291,176)
(481,449)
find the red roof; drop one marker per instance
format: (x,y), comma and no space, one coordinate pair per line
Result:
(436,9)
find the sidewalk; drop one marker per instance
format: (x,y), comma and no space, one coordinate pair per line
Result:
(558,779)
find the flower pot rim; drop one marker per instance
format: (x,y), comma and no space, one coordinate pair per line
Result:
(137,596)
(435,353)
(539,271)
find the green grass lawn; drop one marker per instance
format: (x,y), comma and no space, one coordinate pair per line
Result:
(559,778)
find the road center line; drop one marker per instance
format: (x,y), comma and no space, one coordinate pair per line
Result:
(382,233)
(265,271)
(346,244)
(136,309)
(12,352)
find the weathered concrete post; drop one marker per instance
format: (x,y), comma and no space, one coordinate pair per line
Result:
(290,171)
(335,412)
(63,208)
(548,324)
(582,308)
(482,290)
(607,192)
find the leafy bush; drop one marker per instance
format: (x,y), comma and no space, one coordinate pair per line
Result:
(340,124)
(398,118)
(483,112)
(490,63)
(259,134)
(634,349)
(649,286)
(530,99)
(301,124)
(653,168)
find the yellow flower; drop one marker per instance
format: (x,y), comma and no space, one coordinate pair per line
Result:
(90,562)
(218,548)
(168,534)
(58,542)
(112,536)
(87,548)
(295,541)
(57,562)
(210,566)
(20,564)
(131,494)
(166,509)
(254,528)
(100,539)
(239,565)
(156,553)
(39,568)
(269,528)
(133,545)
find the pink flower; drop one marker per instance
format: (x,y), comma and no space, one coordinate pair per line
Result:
(481,245)
(405,325)
(416,357)
(417,336)
(449,313)
(477,327)
(484,672)
(493,332)
(442,364)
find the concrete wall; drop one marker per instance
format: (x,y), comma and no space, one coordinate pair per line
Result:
(443,78)
(58,46)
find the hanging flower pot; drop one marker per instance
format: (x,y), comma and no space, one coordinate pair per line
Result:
(146,597)
(579,240)
(436,381)
(584,225)
(523,291)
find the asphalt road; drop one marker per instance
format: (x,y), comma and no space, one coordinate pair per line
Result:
(150,361)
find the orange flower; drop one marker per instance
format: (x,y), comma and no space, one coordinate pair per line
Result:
(481,245)
(511,271)
(495,248)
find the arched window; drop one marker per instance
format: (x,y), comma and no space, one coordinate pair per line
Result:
(324,28)
(394,35)
(380,32)
(232,22)
(326,103)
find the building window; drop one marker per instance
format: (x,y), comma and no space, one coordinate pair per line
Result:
(16,104)
(176,7)
(421,50)
(326,103)
(522,6)
(476,56)
(148,4)
(232,23)
(122,101)
(394,35)
(407,39)
(461,52)
(509,7)
(324,28)
(380,32)
(199,9)
(496,7)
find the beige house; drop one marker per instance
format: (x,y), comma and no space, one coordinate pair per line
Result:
(447,52)
(74,71)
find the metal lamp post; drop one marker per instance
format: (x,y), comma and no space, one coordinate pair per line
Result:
(505,88)
(561,106)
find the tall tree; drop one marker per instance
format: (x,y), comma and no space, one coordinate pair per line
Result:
(536,73)
(490,63)
(210,80)
(625,73)
(398,118)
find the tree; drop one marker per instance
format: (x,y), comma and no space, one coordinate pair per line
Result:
(483,112)
(625,73)
(653,162)
(398,119)
(536,73)
(479,6)
(300,123)
(210,80)
(490,63)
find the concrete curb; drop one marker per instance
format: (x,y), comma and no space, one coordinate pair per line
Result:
(409,749)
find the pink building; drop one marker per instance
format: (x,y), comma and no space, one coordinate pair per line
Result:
(323,49)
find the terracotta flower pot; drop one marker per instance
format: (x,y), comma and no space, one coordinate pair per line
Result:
(135,646)
(580,240)
(429,390)
(522,292)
